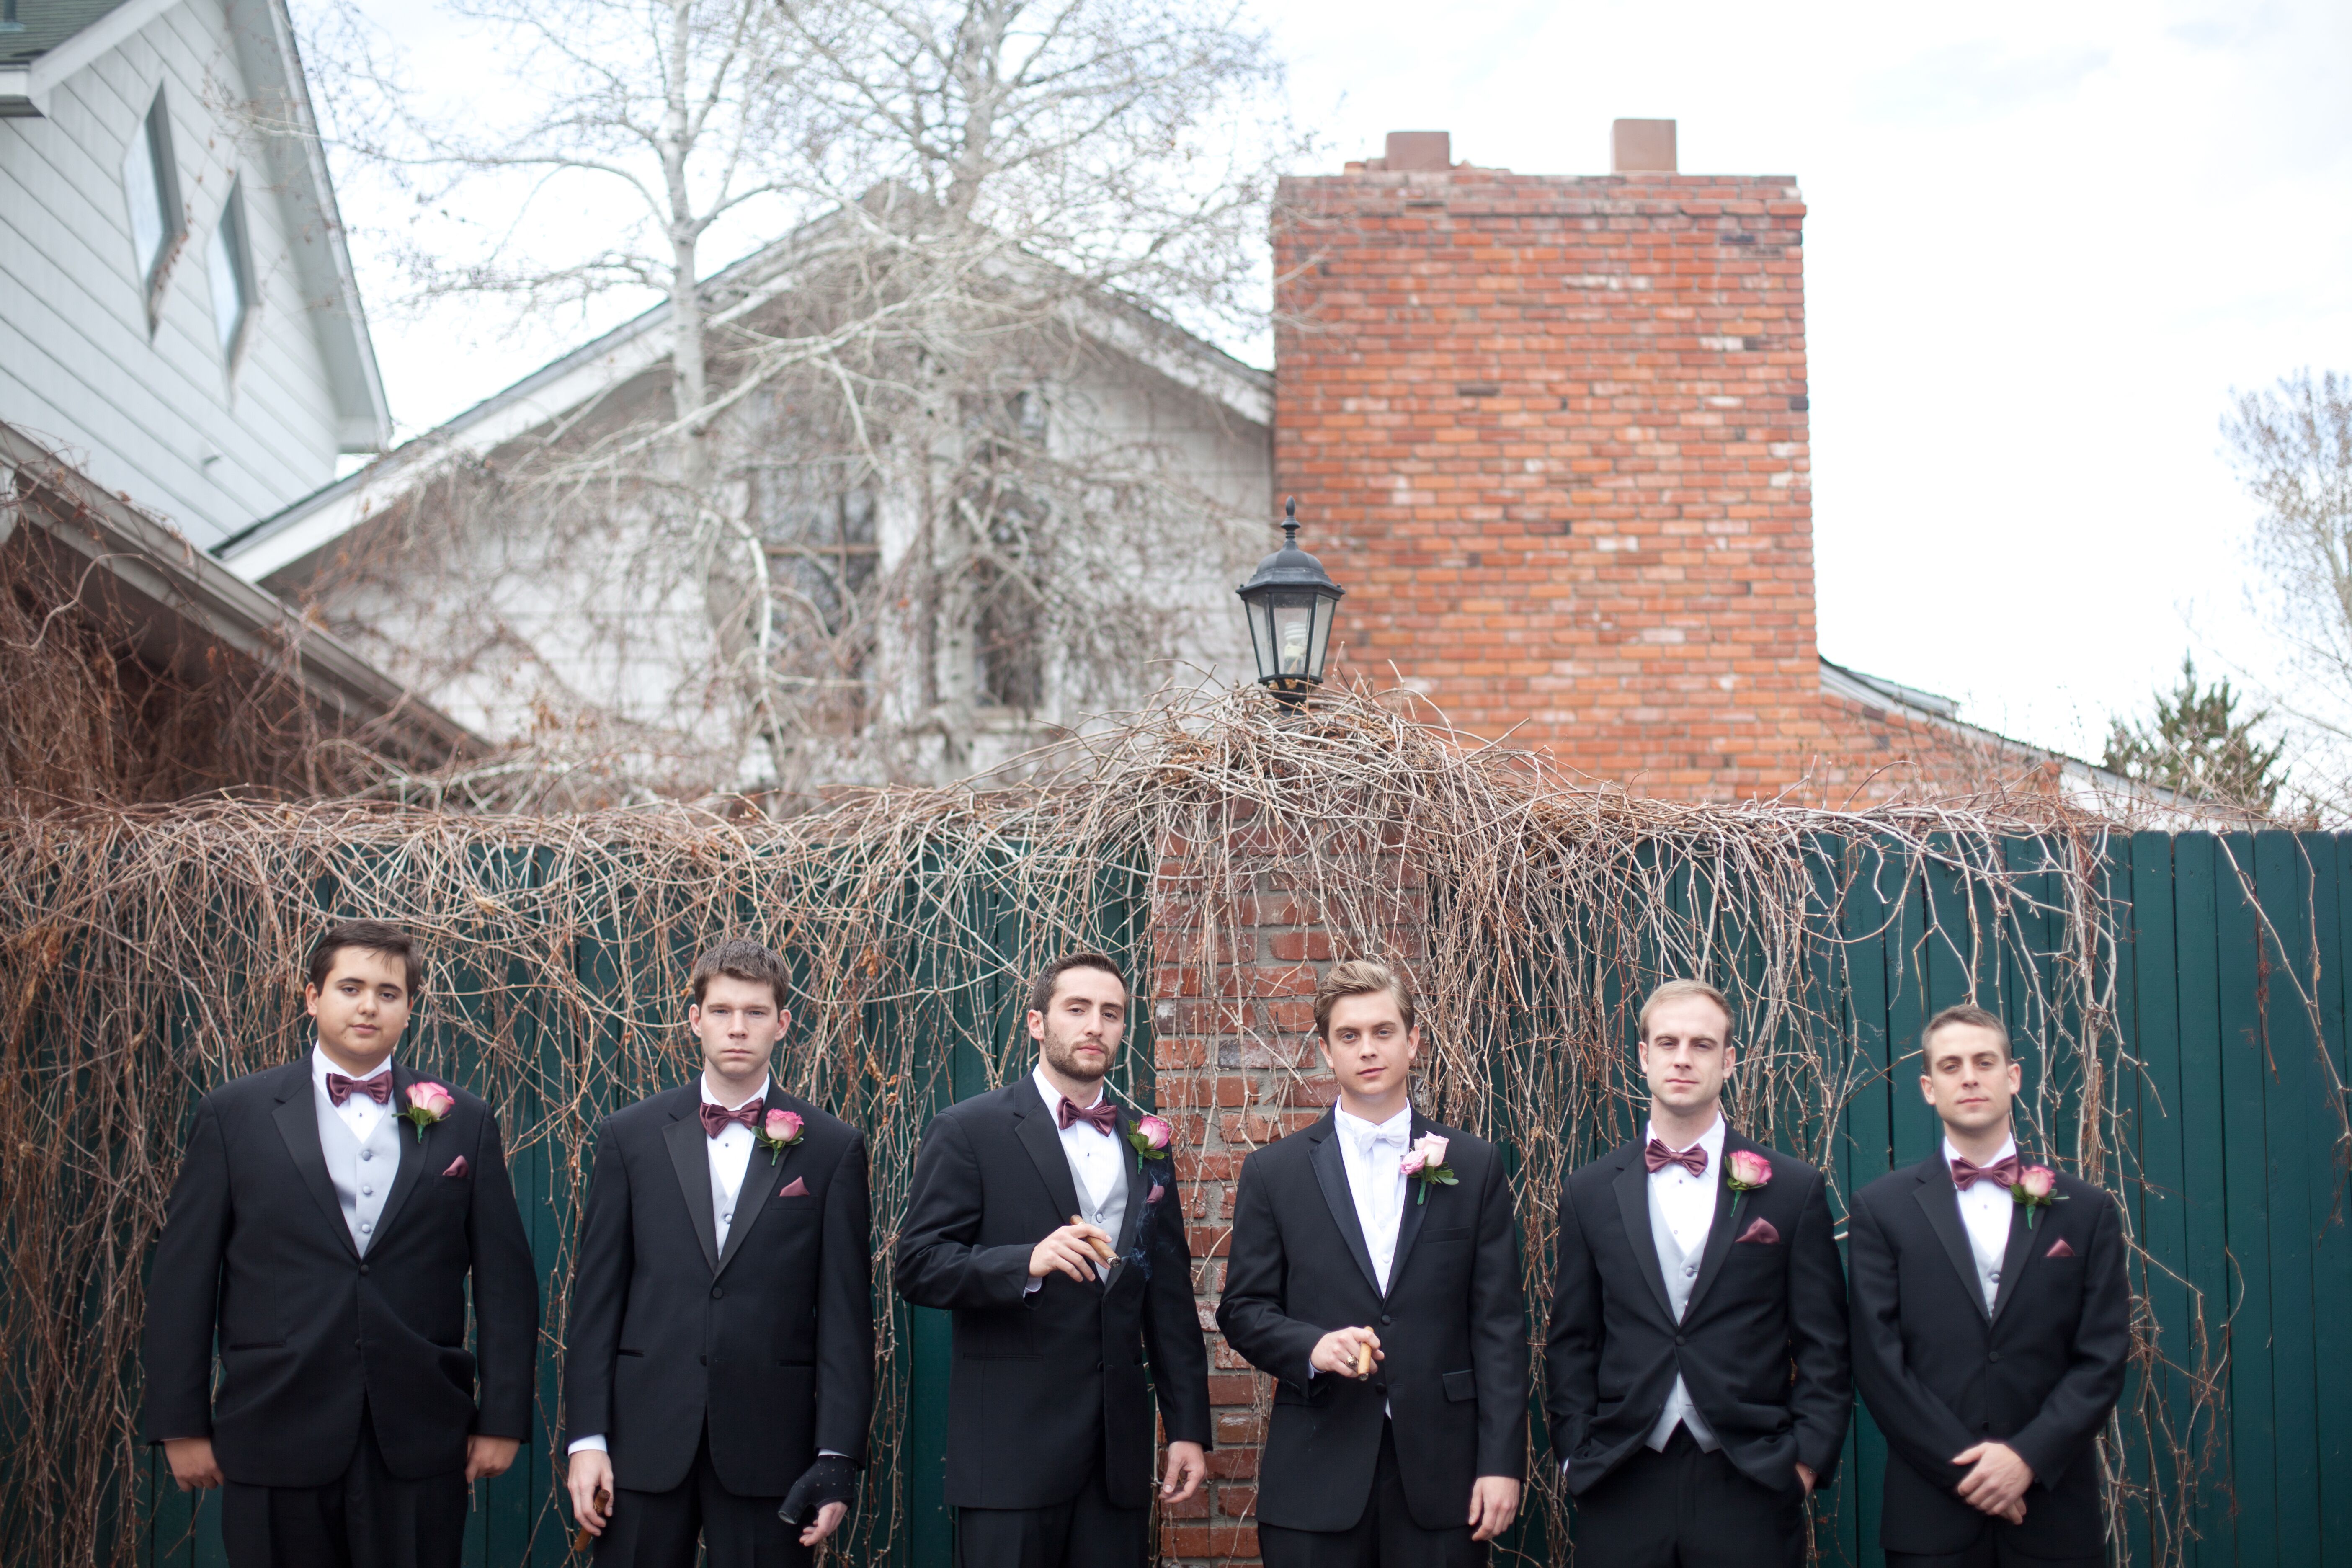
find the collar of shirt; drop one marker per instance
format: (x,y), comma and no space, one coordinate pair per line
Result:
(711,1099)
(358,1109)
(2008,1147)
(1054,1097)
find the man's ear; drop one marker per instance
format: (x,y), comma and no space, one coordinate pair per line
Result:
(311,1000)
(694,1014)
(1928,1089)
(1036,1026)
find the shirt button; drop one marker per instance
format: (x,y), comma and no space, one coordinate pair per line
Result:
(1690,1270)
(1995,1276)
(727,1218)
(367,1192)
(367,1154)
(366,1226)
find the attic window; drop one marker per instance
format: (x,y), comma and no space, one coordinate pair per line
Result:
(228,263)
(150,182)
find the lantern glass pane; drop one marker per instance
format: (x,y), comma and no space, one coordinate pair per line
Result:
(1294,633)
(1261,627)
(1325,605)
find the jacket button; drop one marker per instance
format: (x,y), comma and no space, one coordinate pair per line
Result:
(1679,1339)
(359,1344)
(715,1292)
(704,1358)
(362,1267)
(1386,1320)
(1379,1388)
(1994,1355)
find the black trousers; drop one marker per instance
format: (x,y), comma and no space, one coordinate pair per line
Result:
(661,1530)
(1990,1551)
(369,1518)
(1087,1532)
(1685,1509)
(1385,1537)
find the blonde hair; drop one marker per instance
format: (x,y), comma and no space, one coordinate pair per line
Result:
(1684,991)
(1358,977)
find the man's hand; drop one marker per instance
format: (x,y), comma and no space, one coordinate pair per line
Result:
(591,1472)
(488,1456)
(1339,1351)
(1997,1483)
(1071,1250)
(828,1519)
(193,1468)
(1494,1504)
(1188,1466)
(1805,1474)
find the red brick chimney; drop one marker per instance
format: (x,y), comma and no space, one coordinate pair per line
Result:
(1550,432)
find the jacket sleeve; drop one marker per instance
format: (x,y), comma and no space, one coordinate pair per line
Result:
(1821,1397)
(600,1285)
(1917,1424)
(938,1263)
(2093,1379)
(184,1289)
(506,1296)
(844,1312)
(1251,1312)
(1171,1327)
(1572,1342)
(1498,1332)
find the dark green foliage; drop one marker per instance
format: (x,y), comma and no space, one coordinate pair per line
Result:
(2200,746)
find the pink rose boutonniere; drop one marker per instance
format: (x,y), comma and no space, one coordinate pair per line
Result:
(782,1129)
(2036,1188)
(1150,1135)
(1745,1172)
(1425,1164)
(429,1102)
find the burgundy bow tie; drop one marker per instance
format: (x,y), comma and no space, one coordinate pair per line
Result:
(1102,1115)
(378,1089)
(1657,1156)
(715,1118)
(2001,1171)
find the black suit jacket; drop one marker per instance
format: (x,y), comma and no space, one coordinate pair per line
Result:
(1045,1385)
(2041,1372)
(1762,1347)
(1452,1328)
(770,1341)
(254,1253)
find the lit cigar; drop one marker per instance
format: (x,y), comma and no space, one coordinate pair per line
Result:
(1363,1361)
(1103,1250)
(581,1540)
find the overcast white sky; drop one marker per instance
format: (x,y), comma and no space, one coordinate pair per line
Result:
(2045,240)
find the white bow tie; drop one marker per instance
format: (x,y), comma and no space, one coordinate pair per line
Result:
(1369,1143)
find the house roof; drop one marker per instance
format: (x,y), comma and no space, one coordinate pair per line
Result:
(602,366)
(184,603)
(63,36)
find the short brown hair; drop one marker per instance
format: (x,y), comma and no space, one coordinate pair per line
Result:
(1358,977)
(1683,991)
(1041,991)
(374,936)
(739,958)
(1967,1013)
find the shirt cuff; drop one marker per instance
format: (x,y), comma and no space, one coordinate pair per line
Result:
(1031,1288)
(830,1454)
(594,1444)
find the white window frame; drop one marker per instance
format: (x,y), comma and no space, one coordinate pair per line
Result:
(151,186)
(228,258)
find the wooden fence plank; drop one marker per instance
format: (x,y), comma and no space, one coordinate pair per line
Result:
(2198,871)
(2332,1256)
(2253,1386)
(2284,885)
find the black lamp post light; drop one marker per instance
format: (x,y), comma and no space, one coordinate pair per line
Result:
(1290,603)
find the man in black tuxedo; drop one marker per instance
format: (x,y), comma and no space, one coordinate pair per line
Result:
(1045,1215)
(327,1218)
(719,1367)
(1993,1322)
(1374,1273)
(1695,1376)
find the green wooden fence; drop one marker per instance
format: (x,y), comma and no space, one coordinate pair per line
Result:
(2229,989)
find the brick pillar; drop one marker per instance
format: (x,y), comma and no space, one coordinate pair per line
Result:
(1550,432)
(1236,1068)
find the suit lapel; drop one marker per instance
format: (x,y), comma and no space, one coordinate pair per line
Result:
(2019,1255)
(760,1178)
(1331,1176)
(1034,1125)
(1416,1203)
(1632,1184)
(412,1151)
(689,1156)
(1139,1188)
(298,1124)
(1718,1232)
(1941,1202)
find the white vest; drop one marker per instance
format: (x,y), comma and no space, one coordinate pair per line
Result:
(362,1172)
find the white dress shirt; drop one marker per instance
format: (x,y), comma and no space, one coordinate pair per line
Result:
(359,1112)
(730,1156)
(1093,1155)
(1985,1207)
(1688,1203)
(1373,1153)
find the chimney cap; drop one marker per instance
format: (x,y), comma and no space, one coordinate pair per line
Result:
(1641,147)
(1428,151)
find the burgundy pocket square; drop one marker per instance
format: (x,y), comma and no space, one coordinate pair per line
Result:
(2059,1248)
(1760,1231)
(1153,1195)
(795,1188)
(457,1167)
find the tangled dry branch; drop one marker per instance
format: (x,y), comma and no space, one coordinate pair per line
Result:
(150,953)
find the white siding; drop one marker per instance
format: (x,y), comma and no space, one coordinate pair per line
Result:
(78,364)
